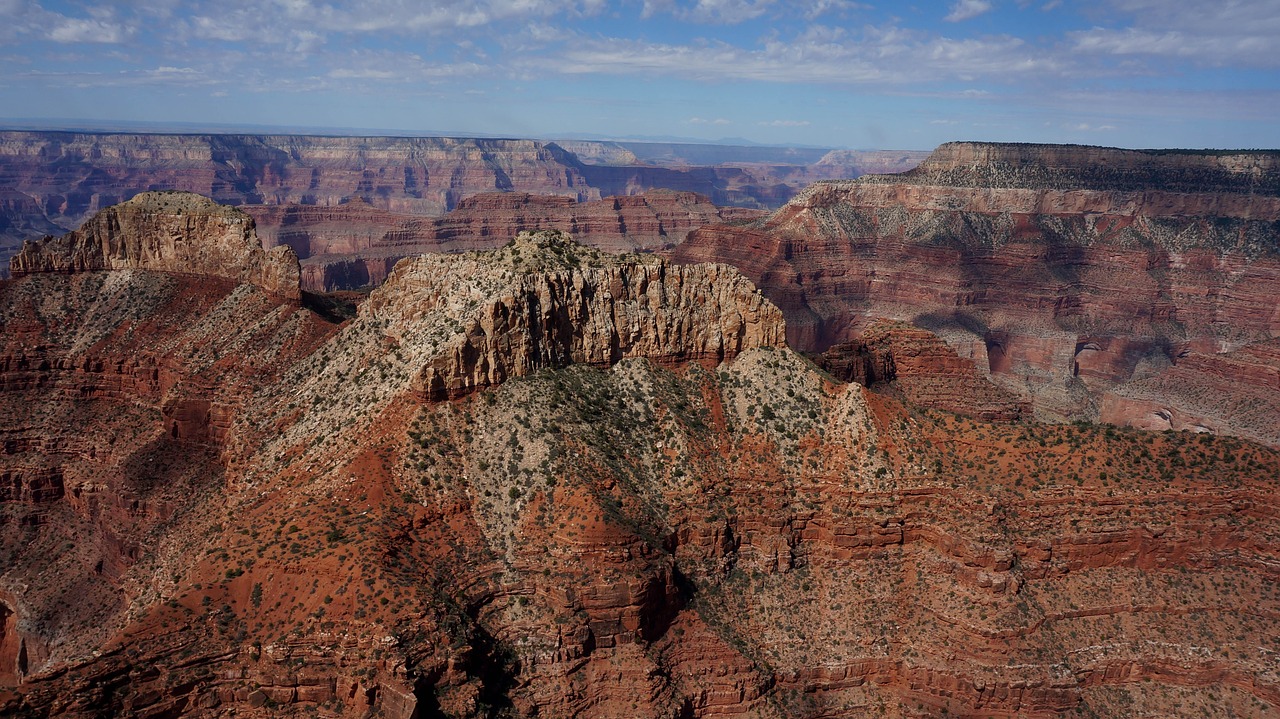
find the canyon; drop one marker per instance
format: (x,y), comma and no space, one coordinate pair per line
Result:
(1081,280)
(51,182)
(544,479)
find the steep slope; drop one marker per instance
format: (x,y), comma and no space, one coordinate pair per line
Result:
(636,503)
(1060,271)
(119,382)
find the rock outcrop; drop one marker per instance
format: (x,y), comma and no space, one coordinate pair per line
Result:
(177,232)
(1060,272)
(544,301)
(926,371)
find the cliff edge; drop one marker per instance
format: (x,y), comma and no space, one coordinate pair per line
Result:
(545,301)
(178,232)
(1001,165)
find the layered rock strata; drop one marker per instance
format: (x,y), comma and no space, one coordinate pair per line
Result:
(924,369)
(355,245)
(74,175)
(612,522)
(51,182)
(1061,272)
(167,232)
(544,301)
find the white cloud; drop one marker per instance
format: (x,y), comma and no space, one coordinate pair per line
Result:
(363,74)
(819,55)
(785,123)
(728,12)
(400,67)
(967,10)
(76,30)
(1208,32)
(818,8)
(703,121)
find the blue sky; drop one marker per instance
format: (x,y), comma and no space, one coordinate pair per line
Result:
(841,73)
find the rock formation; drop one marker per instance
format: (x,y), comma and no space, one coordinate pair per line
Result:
(1061,272)
(923,368)
(355,245)
(551,302)
(54,181)
(167,232)
(545,481)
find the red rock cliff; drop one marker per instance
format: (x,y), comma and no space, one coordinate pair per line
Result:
(1060,271)
(355,245)
(167,232)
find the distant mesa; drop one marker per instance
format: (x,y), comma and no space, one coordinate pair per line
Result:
(178,232)
(1080,167)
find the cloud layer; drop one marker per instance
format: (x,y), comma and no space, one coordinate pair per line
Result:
(700,64)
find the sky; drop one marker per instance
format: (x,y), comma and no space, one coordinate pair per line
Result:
(830,73)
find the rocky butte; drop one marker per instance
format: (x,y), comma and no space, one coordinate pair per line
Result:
(175,232)
(1083,280)
(545,480)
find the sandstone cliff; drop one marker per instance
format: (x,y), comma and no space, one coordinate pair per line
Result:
(1059,272)
(167,232)
(544,301)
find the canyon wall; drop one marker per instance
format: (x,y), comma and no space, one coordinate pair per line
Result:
(51,182)
(355,245)
(1060,272)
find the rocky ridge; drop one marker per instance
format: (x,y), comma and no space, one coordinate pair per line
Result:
(544,301)
(167,232)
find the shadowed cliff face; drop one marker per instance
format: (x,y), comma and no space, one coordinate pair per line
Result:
(1061,272)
